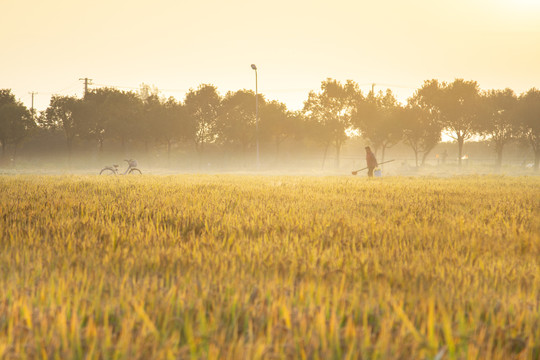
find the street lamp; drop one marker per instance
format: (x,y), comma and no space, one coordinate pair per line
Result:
(254,67)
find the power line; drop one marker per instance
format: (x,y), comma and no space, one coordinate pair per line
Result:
(399,86)
(390,85)
(59,91)
(66,88)
(137,88)
(116,86)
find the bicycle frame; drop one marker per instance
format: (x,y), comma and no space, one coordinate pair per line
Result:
(114,169)
(128,168)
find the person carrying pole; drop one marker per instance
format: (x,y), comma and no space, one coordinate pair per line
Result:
(371,161)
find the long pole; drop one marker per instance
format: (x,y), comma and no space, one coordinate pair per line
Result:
(32,109)
(384,162)
(87,82)
(257,117)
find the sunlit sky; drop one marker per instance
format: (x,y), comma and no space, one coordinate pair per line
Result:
(47,45)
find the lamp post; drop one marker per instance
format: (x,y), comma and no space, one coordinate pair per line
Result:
(254,67)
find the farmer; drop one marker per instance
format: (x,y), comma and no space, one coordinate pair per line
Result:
(371,161)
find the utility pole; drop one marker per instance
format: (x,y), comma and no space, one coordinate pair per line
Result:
(32,108)
(87,82)
(254,67)
(373,89)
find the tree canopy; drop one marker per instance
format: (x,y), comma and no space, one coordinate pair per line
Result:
(329,118)
(15,121)
(332,109)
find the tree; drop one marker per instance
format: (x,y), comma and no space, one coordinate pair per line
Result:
(202,105)
(421,130)
(277,123)
(174,124)
(122,116)
(458,105)
(94,123)
(7,101)
(529,121)
(152,122)
(146,91)
(64,112)
(104,113)
(236,121)
(15,121)
(20,124)
(377,118)
(499,118)
(332,109)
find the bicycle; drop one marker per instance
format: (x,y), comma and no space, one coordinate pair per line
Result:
(113,170)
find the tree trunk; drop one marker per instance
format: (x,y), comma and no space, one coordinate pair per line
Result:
(424,156)
(338,151)
(499,149)
(199,150)
(244,155)
(460,148)
(69,142)
(535,144)
(383,151)
(169,152)
(427,151)
(324,156)
(100,149)
(15,148)
(416,157)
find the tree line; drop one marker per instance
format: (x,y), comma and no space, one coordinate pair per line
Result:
(330,116)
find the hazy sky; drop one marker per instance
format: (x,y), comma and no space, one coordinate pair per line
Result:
(47,45)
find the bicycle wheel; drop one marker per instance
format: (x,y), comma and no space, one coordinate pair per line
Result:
(107,171)
(135,171)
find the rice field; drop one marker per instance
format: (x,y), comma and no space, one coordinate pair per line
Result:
(269,267)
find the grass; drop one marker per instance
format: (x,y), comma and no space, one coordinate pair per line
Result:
(229,267)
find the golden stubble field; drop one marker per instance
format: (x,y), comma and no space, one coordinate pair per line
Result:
(247,267)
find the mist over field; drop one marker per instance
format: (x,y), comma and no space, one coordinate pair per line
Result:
(291,160)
